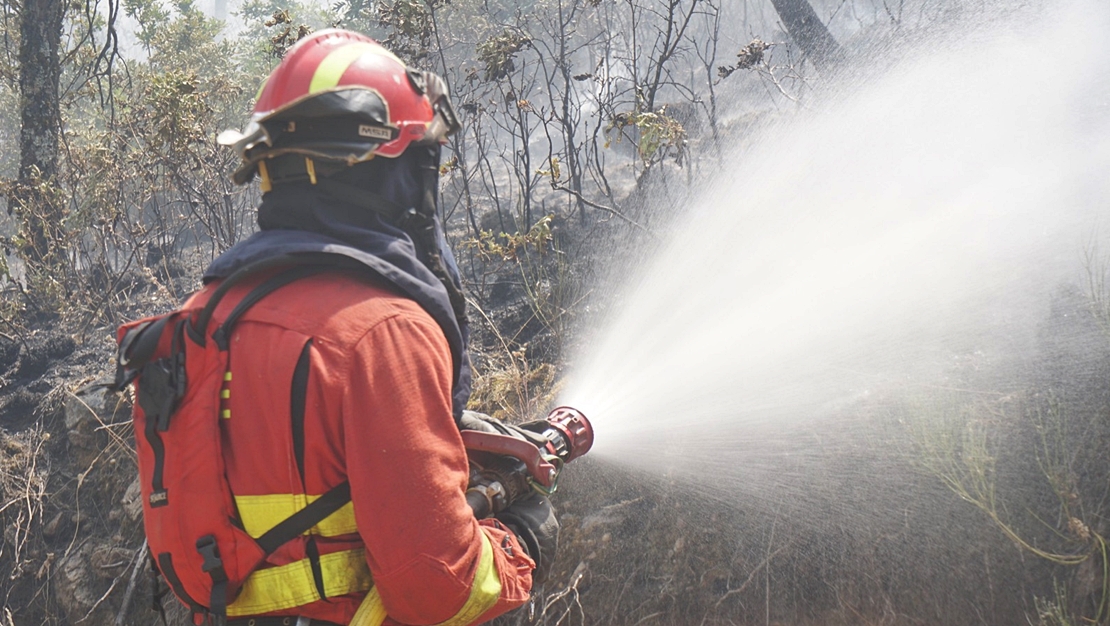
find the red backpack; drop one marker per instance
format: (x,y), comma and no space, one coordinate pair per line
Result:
(181,378)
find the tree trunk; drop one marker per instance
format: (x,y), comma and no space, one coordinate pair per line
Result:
(807,30)
(39,73)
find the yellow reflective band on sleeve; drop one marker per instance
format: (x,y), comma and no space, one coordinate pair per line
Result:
(331,69)
(261,513)
(292,585)
(371,612)
(484,591)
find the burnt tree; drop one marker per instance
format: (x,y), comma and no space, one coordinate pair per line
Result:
(808,31)
(39,209)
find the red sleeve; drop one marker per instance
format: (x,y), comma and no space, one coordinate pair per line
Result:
(408,473)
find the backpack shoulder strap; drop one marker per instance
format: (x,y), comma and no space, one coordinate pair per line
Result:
(139,344)
(320,261)
(270,285)
(294,268)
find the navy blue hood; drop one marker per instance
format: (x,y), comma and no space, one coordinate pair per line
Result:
(299,218)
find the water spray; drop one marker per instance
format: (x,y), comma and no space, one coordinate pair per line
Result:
(912,223)
(507,467)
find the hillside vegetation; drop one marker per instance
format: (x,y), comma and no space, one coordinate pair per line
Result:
(588,125)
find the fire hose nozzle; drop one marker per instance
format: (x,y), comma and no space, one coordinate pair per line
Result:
(575,430)
(505,467)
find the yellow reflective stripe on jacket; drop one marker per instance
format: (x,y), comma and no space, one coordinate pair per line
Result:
(261,513)
(292,585)
(484,593)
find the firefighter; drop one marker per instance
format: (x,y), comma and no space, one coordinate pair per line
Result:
(358,374)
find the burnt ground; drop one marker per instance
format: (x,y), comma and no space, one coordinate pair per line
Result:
(636,549)
(72,515)
(73,541)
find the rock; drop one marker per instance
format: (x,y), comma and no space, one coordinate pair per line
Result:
(132,500)
(108,562)
(83,442)
(84,407)
(54,525)
(77,589)
(83,416)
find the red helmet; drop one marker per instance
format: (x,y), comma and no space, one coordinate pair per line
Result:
(339,96)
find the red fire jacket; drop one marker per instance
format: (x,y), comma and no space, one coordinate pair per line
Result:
(331,379)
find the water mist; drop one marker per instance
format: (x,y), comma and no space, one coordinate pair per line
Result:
(924,215)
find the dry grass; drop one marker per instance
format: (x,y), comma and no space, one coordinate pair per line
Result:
(514,389)
(23,474)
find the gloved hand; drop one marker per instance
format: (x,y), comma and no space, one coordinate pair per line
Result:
(532,519)
(473,420)
(528,431)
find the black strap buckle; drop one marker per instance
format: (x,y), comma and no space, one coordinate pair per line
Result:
(213,565)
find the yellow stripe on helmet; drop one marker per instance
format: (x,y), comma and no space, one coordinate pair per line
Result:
(331,69)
